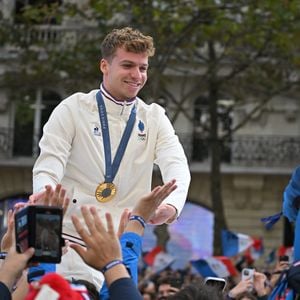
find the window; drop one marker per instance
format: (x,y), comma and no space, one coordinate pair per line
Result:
(32,112)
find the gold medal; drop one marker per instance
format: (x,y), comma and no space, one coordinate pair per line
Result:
(105,192)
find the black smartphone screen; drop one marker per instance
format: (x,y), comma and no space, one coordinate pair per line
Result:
(47,236)
(40,227)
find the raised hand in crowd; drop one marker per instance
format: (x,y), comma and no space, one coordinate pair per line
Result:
(53,197)
(103,251)
(102,245)
(15,263)
(13,266)
(8,238)
(164,213)
(281,266)
(260,284)
(241,287)
(147,206)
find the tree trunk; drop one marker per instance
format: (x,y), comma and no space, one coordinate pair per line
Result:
(215,148)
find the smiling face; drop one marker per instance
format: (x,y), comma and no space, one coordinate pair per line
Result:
(125,74)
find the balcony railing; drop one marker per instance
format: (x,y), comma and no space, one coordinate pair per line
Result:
(277,151)
(265,151)
(57,35)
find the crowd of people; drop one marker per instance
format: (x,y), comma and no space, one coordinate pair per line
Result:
(96,160)
(117,253)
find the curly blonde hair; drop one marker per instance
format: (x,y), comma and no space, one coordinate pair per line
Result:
(132,40)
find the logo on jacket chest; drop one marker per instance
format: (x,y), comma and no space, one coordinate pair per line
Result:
(141,131)
(96,128)
(142,136)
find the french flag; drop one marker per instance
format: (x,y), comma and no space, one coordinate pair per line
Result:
(235,243)
(150,256)
(158,259)
(215,266)
(255,251)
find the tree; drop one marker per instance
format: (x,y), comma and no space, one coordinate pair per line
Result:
(246,51)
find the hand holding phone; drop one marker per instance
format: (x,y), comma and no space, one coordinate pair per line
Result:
(40,227)
(248,274)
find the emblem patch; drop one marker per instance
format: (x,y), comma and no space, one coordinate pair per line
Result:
(97,129)
(141,134)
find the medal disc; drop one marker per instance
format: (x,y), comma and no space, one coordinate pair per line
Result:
(105,192)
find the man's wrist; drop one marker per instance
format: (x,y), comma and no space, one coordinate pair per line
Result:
(174,216)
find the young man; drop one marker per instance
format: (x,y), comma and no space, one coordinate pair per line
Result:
(102,145)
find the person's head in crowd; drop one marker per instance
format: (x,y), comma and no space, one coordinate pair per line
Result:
(168,286)
(197,292)
(246,296)
(148,296)
(148,288)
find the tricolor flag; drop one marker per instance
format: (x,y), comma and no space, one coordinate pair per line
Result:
(150,256)
(162,261)
(255,251)
(235,243)
(158,259)
(215,266)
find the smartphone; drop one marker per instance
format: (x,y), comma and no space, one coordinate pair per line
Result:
(284,258)
(219,283)
(248,273)
(40,227)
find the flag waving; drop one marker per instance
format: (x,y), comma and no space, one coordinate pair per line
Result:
(235,243)
(216,266)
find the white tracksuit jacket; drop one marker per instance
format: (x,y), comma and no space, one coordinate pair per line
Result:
(72,154)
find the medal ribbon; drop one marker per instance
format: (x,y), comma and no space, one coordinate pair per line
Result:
(111,169)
